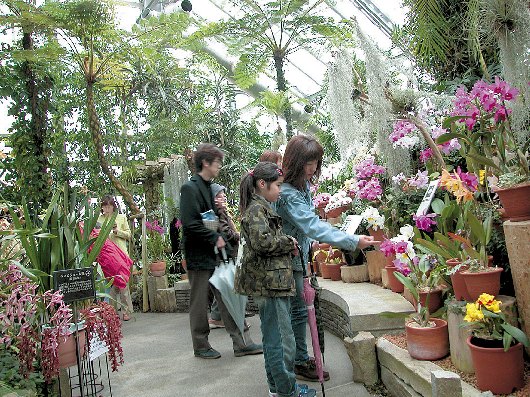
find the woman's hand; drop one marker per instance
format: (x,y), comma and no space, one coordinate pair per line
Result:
(366,241)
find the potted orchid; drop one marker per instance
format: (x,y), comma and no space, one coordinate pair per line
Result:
(375,222)
(338,203)
(368,185)
(156,248)
(427,337)
(481,122)
(37,327)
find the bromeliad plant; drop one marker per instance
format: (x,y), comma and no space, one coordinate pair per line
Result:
(486,319)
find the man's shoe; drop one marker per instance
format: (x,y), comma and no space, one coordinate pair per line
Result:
(207,354)
(215,323)
(253,348)
(308,371)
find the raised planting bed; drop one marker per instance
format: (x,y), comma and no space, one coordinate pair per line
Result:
(396,346)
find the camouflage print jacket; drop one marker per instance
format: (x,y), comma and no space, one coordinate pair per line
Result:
(266,264)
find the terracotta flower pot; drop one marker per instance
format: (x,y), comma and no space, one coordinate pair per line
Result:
(334,271)
(459,286)
(66,350)
(429,343)
(482,282)
(324,271)
(515,202)
(497,370)
(335,212)
(158,268)
(395,284)
(435,299)
(378,234)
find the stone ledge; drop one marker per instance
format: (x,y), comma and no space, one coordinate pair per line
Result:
(363,303)
(414,373)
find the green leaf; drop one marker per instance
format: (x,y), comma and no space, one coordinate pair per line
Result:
(483,160)
(476,227)
(437,206)
(519,335)
(451,135)
(450,120)
(406,281)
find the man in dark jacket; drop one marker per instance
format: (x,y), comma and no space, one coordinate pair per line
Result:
(199,250)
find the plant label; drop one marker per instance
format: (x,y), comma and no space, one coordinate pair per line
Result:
(351,223)
(427,198)
(75,284)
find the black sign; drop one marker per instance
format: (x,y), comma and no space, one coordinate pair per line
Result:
(75,284)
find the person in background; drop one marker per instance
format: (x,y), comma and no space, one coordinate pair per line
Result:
(119,235)
(199,250)
(273,156)
(228,230)
(266,273)
(302,163)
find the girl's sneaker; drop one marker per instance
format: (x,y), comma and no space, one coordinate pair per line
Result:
(304,391)
(271,394)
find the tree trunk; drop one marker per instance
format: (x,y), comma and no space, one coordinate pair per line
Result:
(282,86)
(95,131)
(37,185)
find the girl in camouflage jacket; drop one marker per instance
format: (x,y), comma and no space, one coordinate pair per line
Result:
(266,273)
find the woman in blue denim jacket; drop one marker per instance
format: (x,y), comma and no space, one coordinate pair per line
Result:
(302,164)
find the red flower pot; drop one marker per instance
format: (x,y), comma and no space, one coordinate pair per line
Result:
(515,202)
(459,286)
(497,370)
(428,343)
(335,212)
(158,268)
(324,270)
(395,284)
(378,234)
(66,350)
(482,282)
(435,299)
(334,271)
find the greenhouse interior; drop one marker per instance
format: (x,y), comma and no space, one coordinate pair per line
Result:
(283,198)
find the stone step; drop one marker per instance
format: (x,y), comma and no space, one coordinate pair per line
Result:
(362,305)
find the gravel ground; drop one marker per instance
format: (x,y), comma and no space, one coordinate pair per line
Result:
(400,340)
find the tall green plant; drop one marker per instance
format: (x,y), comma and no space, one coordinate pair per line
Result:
(60,238)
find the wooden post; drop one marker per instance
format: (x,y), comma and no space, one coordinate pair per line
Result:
(145,297)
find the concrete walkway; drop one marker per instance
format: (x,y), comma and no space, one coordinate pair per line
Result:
(159,362)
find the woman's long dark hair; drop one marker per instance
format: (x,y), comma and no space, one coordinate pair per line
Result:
(299,151)
(265,170)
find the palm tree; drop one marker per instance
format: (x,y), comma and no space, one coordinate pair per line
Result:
(270,32)
(99,50)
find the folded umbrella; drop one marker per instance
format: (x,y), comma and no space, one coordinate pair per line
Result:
(223,279)
(308,295)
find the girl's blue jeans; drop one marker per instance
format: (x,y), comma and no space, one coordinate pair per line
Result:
(278,344)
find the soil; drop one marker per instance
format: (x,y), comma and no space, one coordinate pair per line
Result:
(400,340)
